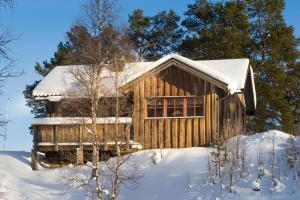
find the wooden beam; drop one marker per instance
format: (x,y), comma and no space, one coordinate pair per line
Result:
(34,159)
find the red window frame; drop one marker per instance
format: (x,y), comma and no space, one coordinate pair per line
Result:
(175,106)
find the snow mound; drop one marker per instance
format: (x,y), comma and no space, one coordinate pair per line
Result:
(167,174)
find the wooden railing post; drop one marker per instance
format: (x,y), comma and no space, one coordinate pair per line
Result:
(79,151)
(34,158)
(105,136)
(127,132)
(55,134)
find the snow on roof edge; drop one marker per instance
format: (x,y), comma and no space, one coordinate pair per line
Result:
(253,86)
(77,120)
(137,69)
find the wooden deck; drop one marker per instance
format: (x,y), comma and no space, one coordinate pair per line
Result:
(60,134)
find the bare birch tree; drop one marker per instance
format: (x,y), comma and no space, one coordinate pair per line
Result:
(94,50)
(7,69)
(104,49)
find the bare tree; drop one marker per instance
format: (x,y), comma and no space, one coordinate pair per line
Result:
(6,62)
(94,50)
(7,69)
(104,49)
(244,165)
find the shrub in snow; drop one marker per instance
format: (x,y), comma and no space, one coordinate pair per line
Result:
(156,158)
(255,186)
(216,160)
(290,161)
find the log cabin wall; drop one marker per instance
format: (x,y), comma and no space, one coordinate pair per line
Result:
(224,115)
(232,115)
(175,132)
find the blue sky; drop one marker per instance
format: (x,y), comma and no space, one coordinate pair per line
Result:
(41,25)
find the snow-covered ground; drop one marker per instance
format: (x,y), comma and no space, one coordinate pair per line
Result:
(180,174)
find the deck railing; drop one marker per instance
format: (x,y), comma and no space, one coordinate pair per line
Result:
(58,133)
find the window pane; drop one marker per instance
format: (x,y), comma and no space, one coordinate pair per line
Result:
(170,102)
(199,101)
(178,101)
(170,112)
(199,111)
(159,102)
(190,111)
(150,112)
(190,101)
(178,112)
(159,112)
(151,102)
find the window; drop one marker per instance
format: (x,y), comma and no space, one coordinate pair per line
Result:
(175,106)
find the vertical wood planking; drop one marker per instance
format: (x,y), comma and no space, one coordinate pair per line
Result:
(141,113)
(207,112)
(213,116)
(172,77)
(167,133)
(167,82)
(160,133)
(182,133)
(55,133)
(196,132)
(180,82)
(161,85)
(175,126)
(136,112)
(147,134)
(189,129)
(154,134)
(187,88)
(154,86)
(202,131)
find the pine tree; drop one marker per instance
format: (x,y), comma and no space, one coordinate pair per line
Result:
(66,54)
(216,30)
(273,56)
(154,36)
(255,29)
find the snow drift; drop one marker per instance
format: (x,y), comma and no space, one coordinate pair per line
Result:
(167,174)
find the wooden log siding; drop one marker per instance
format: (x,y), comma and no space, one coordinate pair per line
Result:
(174,132)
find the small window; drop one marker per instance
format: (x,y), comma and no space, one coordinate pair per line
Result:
(195,106)
(175,107)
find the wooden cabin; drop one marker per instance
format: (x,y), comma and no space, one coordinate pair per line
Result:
(175,102)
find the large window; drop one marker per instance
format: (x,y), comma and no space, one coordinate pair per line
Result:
(175,106)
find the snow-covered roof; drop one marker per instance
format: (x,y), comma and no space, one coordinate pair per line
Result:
(60,81)
(231,72)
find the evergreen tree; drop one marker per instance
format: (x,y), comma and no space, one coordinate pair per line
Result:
(216,30)
(154,36)
(66,54)
(255,29)
(274,55)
